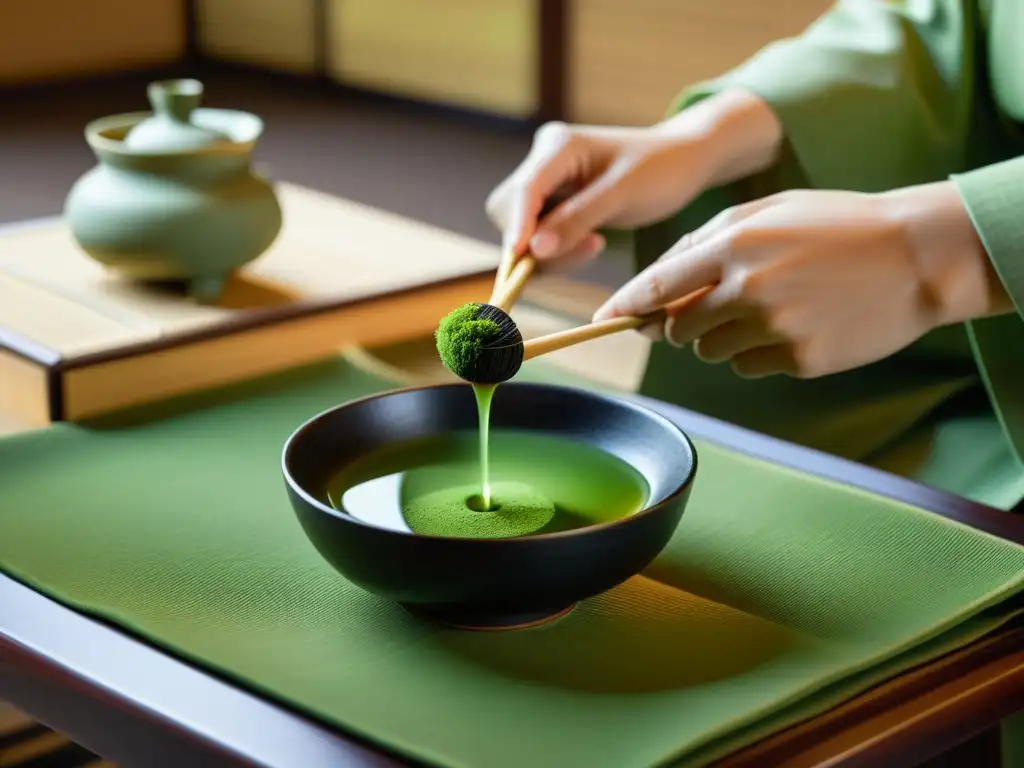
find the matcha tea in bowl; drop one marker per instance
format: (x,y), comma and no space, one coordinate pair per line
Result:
(491,518)
(586,490)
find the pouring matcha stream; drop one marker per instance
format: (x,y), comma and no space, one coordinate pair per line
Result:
(471,328)
(481,344)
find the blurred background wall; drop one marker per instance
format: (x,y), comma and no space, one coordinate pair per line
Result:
(45,40)
(607,61)
(315,71)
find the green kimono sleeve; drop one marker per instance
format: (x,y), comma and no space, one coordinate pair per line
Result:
(994,198)
(879,95)
(872,96)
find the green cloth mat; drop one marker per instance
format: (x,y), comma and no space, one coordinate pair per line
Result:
(781,594)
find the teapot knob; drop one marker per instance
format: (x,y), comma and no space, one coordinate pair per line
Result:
(175,98)
(173,128)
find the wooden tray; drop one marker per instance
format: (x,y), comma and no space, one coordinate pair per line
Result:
(77,341)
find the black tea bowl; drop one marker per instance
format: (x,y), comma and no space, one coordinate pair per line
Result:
(489,583)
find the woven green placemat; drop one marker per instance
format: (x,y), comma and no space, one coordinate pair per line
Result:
(780,595)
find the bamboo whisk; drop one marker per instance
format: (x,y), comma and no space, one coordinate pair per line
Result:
(500,358)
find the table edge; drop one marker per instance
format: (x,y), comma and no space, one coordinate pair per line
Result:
(103,661)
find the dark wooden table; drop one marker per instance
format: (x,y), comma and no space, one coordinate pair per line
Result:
(138,706)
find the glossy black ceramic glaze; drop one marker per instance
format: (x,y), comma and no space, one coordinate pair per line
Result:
(489,583)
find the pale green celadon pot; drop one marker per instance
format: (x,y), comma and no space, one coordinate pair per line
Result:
(174,195)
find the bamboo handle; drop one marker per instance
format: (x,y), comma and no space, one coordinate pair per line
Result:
(506,293)
(562,339)
(508,260)
(508,256)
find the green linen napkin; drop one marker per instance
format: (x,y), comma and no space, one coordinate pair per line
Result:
(781,594)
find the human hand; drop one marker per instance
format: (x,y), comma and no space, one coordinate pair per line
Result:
(810,283)
(594,177)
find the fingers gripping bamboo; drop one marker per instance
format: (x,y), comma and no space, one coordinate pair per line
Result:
(508,255)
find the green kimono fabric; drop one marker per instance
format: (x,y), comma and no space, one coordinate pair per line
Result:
(878,95)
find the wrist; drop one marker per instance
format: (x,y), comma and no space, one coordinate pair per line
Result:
(957,278)
(738,132)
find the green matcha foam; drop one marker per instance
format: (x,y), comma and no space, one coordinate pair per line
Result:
(462,335)
(517,510)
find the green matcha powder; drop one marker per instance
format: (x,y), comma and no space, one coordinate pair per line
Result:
(461,337)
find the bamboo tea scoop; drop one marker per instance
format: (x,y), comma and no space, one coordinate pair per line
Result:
(496,364)
(562,339)
(500,357)
(479,342)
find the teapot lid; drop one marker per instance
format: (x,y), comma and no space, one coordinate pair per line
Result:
(171,128)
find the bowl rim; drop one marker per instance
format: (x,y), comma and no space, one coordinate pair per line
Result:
(683,486)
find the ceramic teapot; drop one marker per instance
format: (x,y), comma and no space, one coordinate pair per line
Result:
(174,195)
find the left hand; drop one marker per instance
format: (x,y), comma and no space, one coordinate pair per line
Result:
(810,283)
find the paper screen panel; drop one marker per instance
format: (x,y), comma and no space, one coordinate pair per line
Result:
(628,60)
(278,34)
(480,55)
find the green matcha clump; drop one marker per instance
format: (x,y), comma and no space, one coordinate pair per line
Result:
(461,336)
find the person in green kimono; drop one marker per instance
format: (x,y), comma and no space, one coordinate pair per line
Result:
(841,220)
(848,206)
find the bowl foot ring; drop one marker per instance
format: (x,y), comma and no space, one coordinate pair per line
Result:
(481,621)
